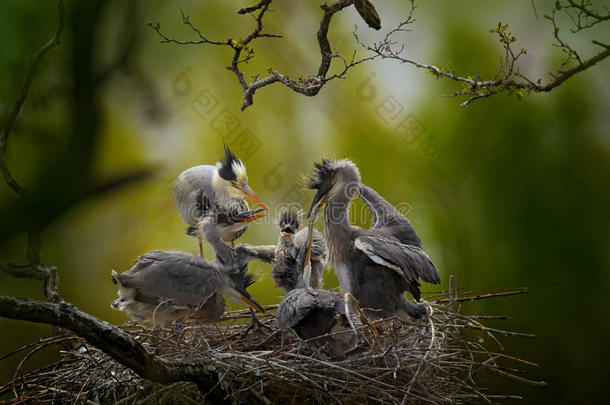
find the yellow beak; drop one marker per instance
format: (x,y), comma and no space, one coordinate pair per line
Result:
(253,197)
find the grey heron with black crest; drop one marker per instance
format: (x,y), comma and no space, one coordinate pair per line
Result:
(201,189)
(377,265)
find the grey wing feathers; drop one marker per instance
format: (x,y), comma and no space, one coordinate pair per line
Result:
(294,306)
(284,269)
(318,244)
(299,302)
(409,261)
(317,274)
(388,219)
(246,253)
(178,278)
(381,209)
(188,189)
(318,247)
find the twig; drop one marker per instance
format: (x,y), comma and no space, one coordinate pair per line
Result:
(278,367)
(309,86)
(508,78)
(38,272)
(53,339)
(13,113)
(484,296)
(116,343)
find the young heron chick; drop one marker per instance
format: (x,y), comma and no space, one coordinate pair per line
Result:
(309,311)
(167,286)
(288,247)
(375,265)
(199,189)
(314,313)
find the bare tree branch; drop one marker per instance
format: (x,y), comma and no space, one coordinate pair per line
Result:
(9,120)
(32,211)
(115,342)
(10,180)
(582,14)
(37,272)
(309,86)
(507,79)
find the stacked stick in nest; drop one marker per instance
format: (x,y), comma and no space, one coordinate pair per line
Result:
(426,361)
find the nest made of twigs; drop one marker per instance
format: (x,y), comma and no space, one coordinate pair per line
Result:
(429,360)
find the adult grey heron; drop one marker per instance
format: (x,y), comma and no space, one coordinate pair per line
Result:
(311,313)
(199,189)
(167,286)
(374,265)
(288,247)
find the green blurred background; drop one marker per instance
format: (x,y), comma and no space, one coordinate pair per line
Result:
(504,193)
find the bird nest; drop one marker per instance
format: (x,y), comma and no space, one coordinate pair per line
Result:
(437,360)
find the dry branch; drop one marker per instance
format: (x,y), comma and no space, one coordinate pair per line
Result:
(417,362)
(507,79)
(48,275)
(113,341)
(13,112)
(309,86)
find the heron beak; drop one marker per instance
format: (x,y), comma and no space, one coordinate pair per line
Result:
(249,300)
(319,199)
(248,216)
(253,197)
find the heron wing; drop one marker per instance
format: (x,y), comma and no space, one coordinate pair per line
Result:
(411,262)
(299,302)
(317,274)
(246,253)
(193,192)
(178,278)
(318,244)
(387,219)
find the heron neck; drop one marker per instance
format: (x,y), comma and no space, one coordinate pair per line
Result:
(286,241)
(337,225)
(223,252)
(336,213)
(222,191)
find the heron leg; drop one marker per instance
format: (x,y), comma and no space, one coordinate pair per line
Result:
(200,246)
(254,324)
(156,338)
(180,330)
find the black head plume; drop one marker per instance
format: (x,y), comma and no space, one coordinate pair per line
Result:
(226,165)
(289,220)
(323,172)
(242,278)
(249,279)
